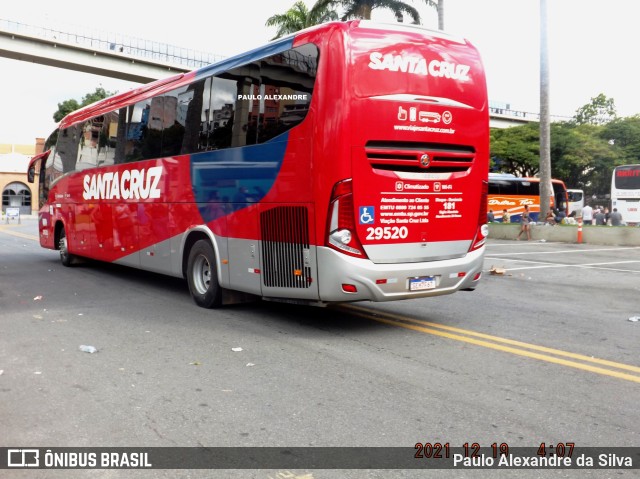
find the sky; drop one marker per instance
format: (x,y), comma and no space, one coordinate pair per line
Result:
(591,49)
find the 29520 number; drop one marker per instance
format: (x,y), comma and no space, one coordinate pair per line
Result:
(387,232)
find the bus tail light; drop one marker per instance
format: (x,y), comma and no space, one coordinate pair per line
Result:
(341,226)
(482,232)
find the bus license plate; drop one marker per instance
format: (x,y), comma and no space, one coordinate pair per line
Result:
(424,282)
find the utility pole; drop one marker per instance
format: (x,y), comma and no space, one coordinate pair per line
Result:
(546,189)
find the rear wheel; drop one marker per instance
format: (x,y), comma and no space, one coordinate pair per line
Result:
(66,258)
(202,275)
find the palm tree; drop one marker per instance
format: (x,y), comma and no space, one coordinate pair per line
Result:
(363,8)
(299,17)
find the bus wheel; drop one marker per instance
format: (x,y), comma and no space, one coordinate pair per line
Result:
(202,275)
(66,258)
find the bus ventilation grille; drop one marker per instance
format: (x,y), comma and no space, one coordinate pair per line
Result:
(285,247)
(405,156)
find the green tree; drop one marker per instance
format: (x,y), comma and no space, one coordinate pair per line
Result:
(65,108)
(582,157)
(516,150)
(68,106)
(599,111)
(299,17)
(363,8)
(99,94)
(624,134)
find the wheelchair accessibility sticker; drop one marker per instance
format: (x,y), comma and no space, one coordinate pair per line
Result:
(367,215)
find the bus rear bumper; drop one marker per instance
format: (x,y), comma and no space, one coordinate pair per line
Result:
(343,278)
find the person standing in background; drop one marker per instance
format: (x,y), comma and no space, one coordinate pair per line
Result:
(587,215)
(616,218)
(526,226)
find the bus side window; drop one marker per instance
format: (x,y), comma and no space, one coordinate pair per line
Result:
(245,117)
(140,131)
(65,156)
(222,111)
(287,81)
(180,112)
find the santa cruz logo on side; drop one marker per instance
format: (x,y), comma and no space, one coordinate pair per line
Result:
(128,184)
(418,65)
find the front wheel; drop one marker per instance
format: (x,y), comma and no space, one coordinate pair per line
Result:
(202,275)
(66,258)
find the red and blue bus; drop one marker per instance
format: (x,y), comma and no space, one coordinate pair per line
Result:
(346,162)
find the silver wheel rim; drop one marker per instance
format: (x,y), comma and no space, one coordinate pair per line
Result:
(201,274)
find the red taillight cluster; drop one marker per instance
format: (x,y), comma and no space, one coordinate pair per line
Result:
(341,226)
(483,229)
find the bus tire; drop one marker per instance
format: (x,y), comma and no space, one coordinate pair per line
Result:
(66,258)
(202,275)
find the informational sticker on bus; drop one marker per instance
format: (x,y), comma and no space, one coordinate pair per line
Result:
(403,210)
(448,207)
(398,210)
(422,283)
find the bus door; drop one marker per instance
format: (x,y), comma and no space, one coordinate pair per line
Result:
(559,196)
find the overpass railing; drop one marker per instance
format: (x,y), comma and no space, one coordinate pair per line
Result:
(113,42)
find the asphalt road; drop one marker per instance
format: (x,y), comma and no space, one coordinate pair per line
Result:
(543,353)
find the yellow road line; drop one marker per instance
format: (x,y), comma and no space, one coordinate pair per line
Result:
(441,330)
(4,229)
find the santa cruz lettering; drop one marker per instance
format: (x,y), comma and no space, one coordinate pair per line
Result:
(419,66)
(128,184)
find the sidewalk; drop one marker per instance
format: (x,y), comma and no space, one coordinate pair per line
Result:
(27,228)
(603,235)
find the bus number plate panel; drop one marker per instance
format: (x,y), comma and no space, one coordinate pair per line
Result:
(422,283)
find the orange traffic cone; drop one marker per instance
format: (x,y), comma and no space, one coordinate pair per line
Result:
(579,230)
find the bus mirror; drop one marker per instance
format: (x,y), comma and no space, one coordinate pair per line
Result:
(31,174)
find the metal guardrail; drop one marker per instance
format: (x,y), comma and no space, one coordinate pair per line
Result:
(523,115)
(113,42)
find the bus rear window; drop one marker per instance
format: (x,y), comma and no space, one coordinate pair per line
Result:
(406,66)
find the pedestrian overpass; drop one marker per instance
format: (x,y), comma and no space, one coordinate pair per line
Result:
(134,59)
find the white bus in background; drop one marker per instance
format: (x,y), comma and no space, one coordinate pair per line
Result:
(625,192)
(576,201)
